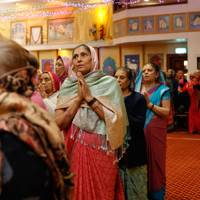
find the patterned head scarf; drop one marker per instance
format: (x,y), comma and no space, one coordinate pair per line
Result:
(94,63)
(26,120)
(17,75)
(55,81)
(66,62)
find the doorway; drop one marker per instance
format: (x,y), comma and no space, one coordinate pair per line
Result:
(177,62)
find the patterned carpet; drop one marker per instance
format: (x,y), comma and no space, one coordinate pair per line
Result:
(183,166)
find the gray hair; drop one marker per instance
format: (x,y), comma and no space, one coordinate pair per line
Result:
(129,75)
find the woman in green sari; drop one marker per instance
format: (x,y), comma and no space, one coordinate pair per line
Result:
(90,112)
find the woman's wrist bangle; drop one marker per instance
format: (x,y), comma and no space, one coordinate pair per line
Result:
(96,105)
(92,101)
(69,114)
(152,107)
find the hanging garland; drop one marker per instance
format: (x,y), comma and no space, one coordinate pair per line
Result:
(81,7)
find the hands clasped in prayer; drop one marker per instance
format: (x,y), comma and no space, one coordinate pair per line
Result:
(84,94)
(41,89)
(83,89)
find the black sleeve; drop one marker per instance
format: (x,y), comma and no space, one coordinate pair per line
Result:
(175,87)
(23,172)
(137,120)
(196,87)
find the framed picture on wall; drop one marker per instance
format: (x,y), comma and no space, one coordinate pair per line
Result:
(123,27)
(18,32)
(194,21)
(36,35)
(47,65)
(132,62)
(148,25)
(60,30)
(116,28)
(179,22)
(163,23)
(157,58)
(109,64)
(134,26)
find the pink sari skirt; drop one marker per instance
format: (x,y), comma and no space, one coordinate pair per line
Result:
(156,133)
(97,177)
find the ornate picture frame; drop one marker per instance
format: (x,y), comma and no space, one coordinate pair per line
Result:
(148,25)
(157,58)
(163,23)
(18,32)
(116,29)
(194,21)
(36,35)
(134,26)
(47,65)
(123,25)
(179,22)
(60,30)
(132,62)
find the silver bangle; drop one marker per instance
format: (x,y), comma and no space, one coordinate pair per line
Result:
(96,106)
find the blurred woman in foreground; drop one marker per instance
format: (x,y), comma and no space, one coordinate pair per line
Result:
(33,157)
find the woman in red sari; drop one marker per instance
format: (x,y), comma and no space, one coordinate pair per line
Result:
(194,112)
(91,113)
(191,76)
(181,80)
(150,82)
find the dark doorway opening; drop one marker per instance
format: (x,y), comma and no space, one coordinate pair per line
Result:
(176,62)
